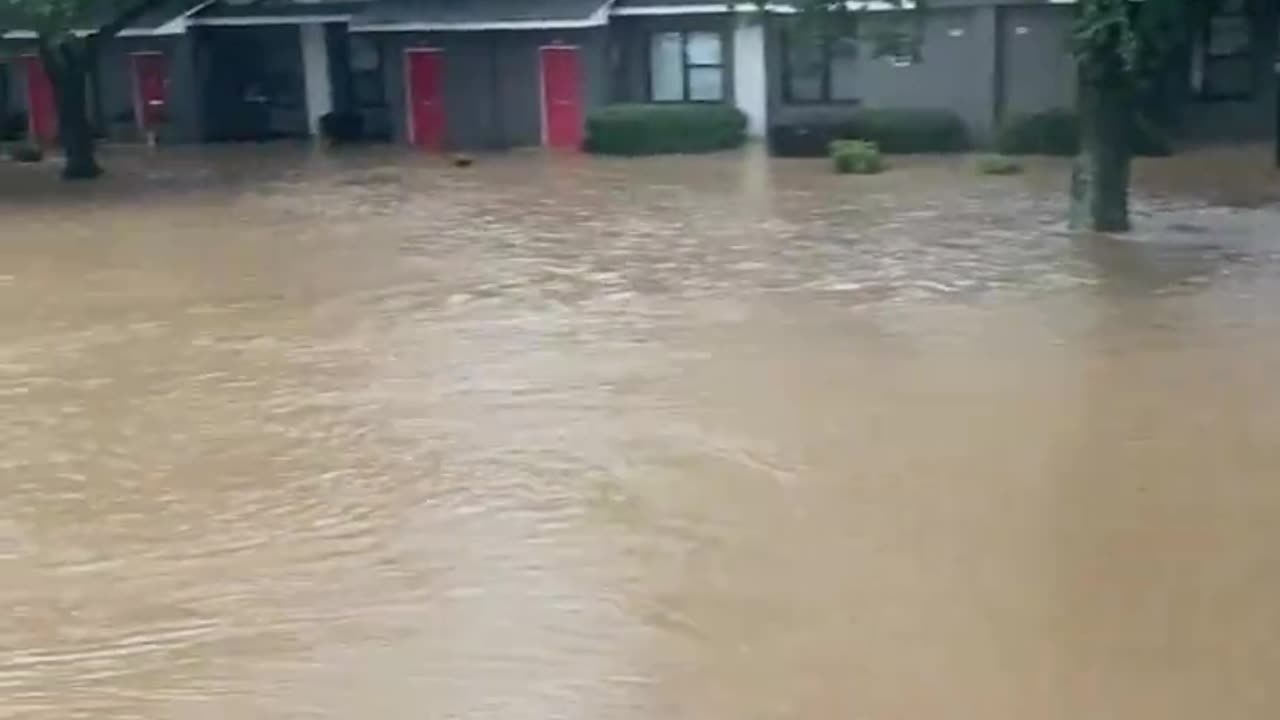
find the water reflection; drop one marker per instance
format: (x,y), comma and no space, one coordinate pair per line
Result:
(291,434)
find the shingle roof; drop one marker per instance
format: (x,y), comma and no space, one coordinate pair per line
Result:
(477,14)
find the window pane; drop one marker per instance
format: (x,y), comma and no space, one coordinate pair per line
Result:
(666,71)
(703,48)
(364,54)
(1228,35)
(844,69)
(804,69)
(706,83)
(368,89)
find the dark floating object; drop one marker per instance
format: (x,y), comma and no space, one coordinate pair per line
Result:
(461,161)
(26,153)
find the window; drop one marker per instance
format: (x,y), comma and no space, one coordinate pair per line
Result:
(368,88)
(686,67)
(1227,60)
(820,70)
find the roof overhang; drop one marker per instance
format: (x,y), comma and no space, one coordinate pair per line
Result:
(778,8)
(598,18)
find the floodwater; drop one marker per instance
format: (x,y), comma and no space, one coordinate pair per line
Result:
(295,435)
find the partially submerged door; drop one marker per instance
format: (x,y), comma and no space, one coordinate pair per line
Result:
(561,98)
(150,89)
(42,113)
(424,80)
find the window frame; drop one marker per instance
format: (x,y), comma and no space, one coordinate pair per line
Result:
(686,66)
(825,97)
(1244,55)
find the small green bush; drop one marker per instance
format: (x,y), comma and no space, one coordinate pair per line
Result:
(662,129)
(997,165)
(909,130)
(1057,132)
(857,157)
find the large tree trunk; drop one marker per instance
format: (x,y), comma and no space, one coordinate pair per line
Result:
(68,66)
(1100,176)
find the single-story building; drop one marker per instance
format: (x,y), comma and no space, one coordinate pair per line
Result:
(464,74)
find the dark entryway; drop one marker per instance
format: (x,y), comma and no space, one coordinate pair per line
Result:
(253,83)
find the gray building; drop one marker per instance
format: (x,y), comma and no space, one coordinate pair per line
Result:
(476,74)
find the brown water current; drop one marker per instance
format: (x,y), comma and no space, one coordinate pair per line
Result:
(289,435)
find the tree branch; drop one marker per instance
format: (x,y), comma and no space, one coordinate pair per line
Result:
(126,18)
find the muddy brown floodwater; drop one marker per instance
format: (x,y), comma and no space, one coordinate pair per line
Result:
(288,435)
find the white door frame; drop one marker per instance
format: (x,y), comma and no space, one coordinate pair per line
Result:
(410,130)
(542,83)
(137,87)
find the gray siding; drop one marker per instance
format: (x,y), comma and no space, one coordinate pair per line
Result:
(115,87)
(1038,70)
(632,37)
(956,70)
(492,82)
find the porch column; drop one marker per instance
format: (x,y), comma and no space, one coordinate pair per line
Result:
(315,68)
(749,84)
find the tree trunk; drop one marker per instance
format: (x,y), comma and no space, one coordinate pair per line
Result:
(1100,176)
(68,68)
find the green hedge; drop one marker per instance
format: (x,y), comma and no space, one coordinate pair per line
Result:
(1057,132)
(661,129)
(909,130)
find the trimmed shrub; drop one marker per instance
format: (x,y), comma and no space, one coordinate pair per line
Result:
(893,130)
(857,157)
(909,130)
(662,129)
(340,128)
(1057,132)
(997,165)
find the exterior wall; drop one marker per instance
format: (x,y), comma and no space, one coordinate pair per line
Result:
(115,85)
(14,100)
(1037,69)
(316,76)
(956,71)
(492,82)
(1246,119)
(632,36)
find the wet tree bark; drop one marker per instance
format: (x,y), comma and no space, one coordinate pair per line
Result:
(1100,175)
(68,62)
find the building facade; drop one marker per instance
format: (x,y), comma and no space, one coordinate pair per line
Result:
(490,74)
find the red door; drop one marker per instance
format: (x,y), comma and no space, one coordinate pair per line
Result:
(561,98)
(42,113)
(425,81)
(150,88)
